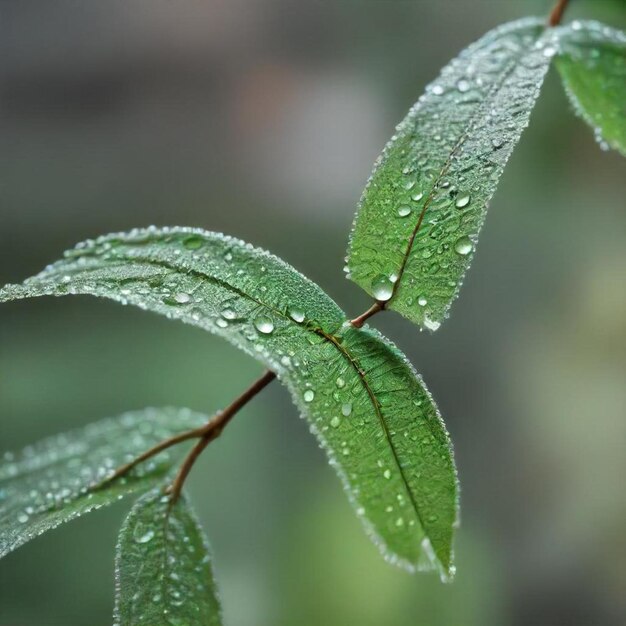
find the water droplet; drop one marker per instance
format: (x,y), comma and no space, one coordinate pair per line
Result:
(222,323)
(141,535)
(340,382)
(382,288)
(464,246)
(229,314)
(431,324)
(22,518)
(404,210)
(264,324)
(463,86)
(309,395)
(418,196)
(297,315)
(335,421)
(346,409)
(422,301)
(182,297)
(437,90)
(462,201)
(549,51)
(387,474)
(193,242)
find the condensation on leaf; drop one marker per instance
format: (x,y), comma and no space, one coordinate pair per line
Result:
(592,64)
(427,198)
(353,386)
(163,566)
(53,481)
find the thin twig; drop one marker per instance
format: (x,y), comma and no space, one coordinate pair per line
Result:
(206,433)
(213,429)
(163,445)
(557,13)
(378,306)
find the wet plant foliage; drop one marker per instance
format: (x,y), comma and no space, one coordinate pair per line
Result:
(414,236)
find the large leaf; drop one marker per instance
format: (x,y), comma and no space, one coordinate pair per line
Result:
(592,63)
(422,209)
(53,481)
(163,567)
(363,400)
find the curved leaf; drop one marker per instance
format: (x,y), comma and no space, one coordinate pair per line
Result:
(423,207)
(368,408)
(163,567)
(56,480)
(592,64)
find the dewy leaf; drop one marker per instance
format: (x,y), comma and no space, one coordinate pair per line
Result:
(53,481)
(592,63)
(423,207)
(163,567)
(363,400)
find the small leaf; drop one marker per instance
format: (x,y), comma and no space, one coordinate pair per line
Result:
(423,207)
(592,64)
(163,567)
(363,400)
(53,481)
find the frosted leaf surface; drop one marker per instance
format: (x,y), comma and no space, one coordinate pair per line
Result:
(163,567)
(592,64)
(53,481)
(421,212)
(380,427)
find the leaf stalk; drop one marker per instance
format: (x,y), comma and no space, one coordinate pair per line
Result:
(557,13)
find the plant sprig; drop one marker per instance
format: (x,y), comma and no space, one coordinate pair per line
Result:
(415,233)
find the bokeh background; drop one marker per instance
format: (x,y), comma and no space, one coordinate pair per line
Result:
(262,118)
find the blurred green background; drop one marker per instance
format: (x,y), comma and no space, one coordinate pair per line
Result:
(262,119)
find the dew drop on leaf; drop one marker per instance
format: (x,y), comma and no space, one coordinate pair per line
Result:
(308,396)
(382,288)
(297,315)
(462,201)
(194,242)
(464,246)
(182,297)
(264,324)
(141,534)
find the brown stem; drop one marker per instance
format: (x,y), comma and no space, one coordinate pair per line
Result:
(557,13)
(206,433)
(163,445)
(378,306)
(213,429)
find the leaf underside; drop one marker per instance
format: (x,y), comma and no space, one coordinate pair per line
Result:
(363,400)
(163,567)
(54,481)
(592,64)
(421,212)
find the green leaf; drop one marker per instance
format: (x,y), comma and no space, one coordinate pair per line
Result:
(592,63)
(423,207)
(163,567)
(363,400)
(54,481)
